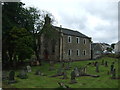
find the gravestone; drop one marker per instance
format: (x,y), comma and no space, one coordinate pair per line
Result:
(23,75)
(114,74)
(97,67)
(80,71)
(38,72)
(95,63)
(108,73)
(106,64)
(76,71)
(73,77)
(28,68)
(11,77)
(111,68)
(102,62)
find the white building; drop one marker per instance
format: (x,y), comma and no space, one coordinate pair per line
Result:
(117,47)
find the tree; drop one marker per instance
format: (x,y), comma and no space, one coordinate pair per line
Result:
(17,22)
(113,45)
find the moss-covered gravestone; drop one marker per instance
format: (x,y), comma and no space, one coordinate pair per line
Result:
(22,75)
(106,64)
(102,62)
(111,68)
(73,77)
(11,77)
(114,74)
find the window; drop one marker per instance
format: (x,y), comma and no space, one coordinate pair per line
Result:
(69,39)
(77,38)
(69,52)
(84,52)
(84,41)
(78,52)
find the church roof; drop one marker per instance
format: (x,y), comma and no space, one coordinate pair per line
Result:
(71,32)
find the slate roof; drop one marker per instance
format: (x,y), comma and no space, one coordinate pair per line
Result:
(71,32)
(96,46)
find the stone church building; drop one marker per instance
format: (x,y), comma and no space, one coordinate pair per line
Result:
(71,44)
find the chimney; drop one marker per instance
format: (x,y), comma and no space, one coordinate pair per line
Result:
(60,26)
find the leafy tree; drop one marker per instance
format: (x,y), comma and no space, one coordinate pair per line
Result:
(113,45)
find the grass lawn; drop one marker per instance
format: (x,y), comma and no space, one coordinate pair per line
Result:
(35,81)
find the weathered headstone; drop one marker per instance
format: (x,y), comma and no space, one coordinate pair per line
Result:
(84,70)
(111,68)
(28,68)
(73,77)
(79,69)
(11,77)
(97,67)
(76,71)
(114,74)
(95,63)
(102,62)
(38,72)
(108,73)
(23,75)
(106,64)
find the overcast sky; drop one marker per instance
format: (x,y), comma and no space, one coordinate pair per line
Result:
(95,18)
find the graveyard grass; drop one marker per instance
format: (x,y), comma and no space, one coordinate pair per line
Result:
(35,81)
